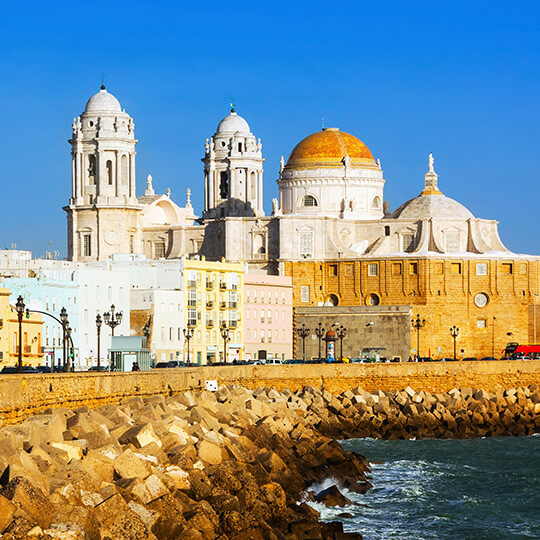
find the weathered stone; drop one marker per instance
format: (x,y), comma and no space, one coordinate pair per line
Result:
(140,436)
(7,511)
(209,452)
(129,465)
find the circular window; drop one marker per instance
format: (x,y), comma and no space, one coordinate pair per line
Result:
(332,300)
(373,300)
(481,299)
(222,143)
(91,123)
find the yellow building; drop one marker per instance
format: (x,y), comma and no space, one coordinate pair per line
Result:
(32,332)
(491,300)
(213,297)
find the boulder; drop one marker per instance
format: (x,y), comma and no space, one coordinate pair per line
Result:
(140,435)
(129,465)
(332,497)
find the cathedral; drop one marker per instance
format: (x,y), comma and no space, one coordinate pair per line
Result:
(330,228)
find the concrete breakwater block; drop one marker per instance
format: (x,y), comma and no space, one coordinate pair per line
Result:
(231,463)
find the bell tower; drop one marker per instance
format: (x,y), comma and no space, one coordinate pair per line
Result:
(233,171)
(103,211)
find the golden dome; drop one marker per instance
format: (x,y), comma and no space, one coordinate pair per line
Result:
(329,148)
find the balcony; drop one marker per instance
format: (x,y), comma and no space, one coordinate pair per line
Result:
(191,323)
(262,319)
(233,324)
(222,285)
(222,305)
(233,305)
(192,302)
(192,283)
(209,303)
(209,324)
(209,285)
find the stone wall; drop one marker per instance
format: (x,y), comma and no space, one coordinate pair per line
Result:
(24,395)
(383,327)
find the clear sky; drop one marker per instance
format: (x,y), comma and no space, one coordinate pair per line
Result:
(459,79)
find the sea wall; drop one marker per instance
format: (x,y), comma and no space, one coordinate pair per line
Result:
(24,395)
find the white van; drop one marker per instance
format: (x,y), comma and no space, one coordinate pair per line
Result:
(273,362)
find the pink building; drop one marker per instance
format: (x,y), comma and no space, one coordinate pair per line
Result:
(267,317)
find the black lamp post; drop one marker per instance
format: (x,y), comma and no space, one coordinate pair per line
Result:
(19,306)
(65,323)
(68,347)
(418,323)
(303,332)
(99,322)
(112,320)
(341,332)
(188,334)
(147,329)
(454,332)
(319,332)
(225,335)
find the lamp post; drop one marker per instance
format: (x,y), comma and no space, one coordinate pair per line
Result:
(341,332)
(303,332)
(225,335)
(112,320)
(99,322)
(19,306)
(68,341)
(454,332)
(319,332)
(418,323)
(147,329)
(65,323)
(188,334)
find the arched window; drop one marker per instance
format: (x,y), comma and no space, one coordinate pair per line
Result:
(91,169)
(309,200)
(373,300)
(108,166)
(376,202)
(332,300)
(224,185)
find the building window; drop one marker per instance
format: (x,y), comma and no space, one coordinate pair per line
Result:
(372,269)
(481,269)
(373,300)
(159,250)
(224,185)
(332,270)
(456,268)
(413,269)
(507,268)
(309,200)
(87,245)
(304,293)
(108,166)
(192,297)
(376,202)
(305,243)
(481,323)
(396,269)
(192,317)
(91,169)
(131,243)
(387,230)
(408,242)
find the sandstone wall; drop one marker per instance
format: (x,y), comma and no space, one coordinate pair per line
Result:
(25,395)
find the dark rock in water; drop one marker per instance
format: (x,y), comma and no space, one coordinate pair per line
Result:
(345,515)
(332,497)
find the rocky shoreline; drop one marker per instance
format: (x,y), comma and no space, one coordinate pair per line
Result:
(231,464)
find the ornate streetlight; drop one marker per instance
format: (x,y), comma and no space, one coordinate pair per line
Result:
(188,334)
(454,332)
(341,332)
(319,332)
(418,323)
(303,332)
(225,335)
(65,323)
(68,341)
(99,322)
(19,306)
(112,320)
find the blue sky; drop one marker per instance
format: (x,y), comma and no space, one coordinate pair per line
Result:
(459,79)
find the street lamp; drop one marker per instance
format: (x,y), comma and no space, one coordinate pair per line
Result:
(68,341)
(418,323)
(99,322)
(112,320)
(65,323)
(225,335)
(188,334)
(19,306)
(319,332)
(303,332)
(454,332)
(341,332)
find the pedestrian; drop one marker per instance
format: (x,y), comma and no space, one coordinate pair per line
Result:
(135,367)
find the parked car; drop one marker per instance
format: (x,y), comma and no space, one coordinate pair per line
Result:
(446,359)
(43,369)
(425,359)
(294,361)
(13,369)
(101,368)
(273,362)
(489,358)
(470,359)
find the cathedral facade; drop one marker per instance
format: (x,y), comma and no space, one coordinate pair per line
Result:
(329,228)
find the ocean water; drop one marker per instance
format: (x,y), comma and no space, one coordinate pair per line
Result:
(445,489)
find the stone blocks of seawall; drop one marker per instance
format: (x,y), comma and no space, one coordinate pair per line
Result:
(24,395)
